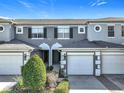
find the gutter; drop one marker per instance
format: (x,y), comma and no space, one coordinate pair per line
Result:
(91,49)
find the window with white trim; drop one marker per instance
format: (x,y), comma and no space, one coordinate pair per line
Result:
(19,30)
(63,33)
(1,28)
(111,31)
(37,33)
(81,30)
(97,28)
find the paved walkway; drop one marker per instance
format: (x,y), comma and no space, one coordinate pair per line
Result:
(6,82)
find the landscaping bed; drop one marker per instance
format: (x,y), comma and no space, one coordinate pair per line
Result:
(37,79)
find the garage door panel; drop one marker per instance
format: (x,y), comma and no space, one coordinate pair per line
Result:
(113,64)
(10,64)
(80,65)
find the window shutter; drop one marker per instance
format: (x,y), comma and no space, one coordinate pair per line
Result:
(14,28)
(45,32)
(56,32)
(71,32)
(29,32)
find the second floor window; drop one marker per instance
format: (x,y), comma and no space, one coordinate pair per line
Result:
(19,30)
(81,30)
(63,33)
(37,33)
(122,31)
(111,31)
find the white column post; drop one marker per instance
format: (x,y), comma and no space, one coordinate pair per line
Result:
(50,57)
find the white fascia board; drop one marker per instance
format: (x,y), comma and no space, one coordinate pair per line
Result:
(91,49)
(107,23)
(112,53)
(78,53)
(16,50)
(11,54)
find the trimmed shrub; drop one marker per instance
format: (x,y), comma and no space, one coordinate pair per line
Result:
(34,74)
(20,84)
(63,87)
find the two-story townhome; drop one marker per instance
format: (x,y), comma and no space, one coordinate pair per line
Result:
(77,46)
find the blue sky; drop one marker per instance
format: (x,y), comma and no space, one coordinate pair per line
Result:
(67,9)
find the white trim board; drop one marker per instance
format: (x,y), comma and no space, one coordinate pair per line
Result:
(92,49)
(111,24)
(87,53)
(11,54)
(112,53)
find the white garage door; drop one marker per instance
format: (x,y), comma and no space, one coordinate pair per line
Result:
(80,64)
(112,63)
(10,63)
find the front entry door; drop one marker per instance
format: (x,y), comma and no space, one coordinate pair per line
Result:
(56,57)
(45,56)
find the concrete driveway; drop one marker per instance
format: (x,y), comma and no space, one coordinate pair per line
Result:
(91,84)
(118,80)
(6,82)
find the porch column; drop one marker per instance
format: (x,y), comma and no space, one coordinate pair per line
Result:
(50,57)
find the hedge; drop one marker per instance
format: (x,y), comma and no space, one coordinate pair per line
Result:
(63,87)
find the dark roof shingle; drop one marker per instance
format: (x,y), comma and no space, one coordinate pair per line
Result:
(92,44)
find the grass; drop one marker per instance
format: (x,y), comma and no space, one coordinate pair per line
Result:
(5,91)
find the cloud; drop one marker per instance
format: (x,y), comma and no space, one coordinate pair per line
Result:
(5,17)
(97,3)
(93,4)
(43,2)
(101,3)
(25,4)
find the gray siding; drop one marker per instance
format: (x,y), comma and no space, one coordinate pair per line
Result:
(12,32)
(103,35)
(50,37)
(7,34)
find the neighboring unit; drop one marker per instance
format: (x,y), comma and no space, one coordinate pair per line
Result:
(76,46)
